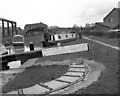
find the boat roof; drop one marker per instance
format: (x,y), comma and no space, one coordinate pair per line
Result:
(18,35)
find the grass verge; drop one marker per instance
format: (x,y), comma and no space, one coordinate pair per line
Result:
(34,75)
(108,81)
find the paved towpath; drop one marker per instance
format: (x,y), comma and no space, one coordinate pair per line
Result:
(114,47)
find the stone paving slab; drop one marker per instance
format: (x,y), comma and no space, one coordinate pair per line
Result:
(73,65)
(36,89)
(68,78)
(77,69)
(74,73)
(55,84)
(13,92)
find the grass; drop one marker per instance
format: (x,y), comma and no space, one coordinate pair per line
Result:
(112,41)
(34,75)
(108,81)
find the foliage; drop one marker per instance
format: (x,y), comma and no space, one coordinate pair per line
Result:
(102,34)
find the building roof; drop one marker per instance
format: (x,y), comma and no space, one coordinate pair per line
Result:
(108,25)
(34,26)
(7,20)
(118,9)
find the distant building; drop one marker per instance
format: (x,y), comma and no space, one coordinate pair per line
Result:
(20,31)
(63,30)
(110,22)
(104,26)
(112,16)
(35,29)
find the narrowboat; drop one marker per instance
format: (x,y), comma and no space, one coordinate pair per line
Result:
(18,43)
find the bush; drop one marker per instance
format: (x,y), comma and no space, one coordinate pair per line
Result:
(113,35)
(98,34)
(102,34)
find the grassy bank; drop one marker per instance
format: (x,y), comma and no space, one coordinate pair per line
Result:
(108,81)
(34,75)
(110,35)
(114,41)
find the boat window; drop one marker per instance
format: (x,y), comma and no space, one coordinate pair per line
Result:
(18,39)
(59,37)
(66,36)
(53,38)
(50,37)
(72,35)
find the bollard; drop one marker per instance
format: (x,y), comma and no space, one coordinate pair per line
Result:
(88,47)
(31,45)
(79,35)
(4,65)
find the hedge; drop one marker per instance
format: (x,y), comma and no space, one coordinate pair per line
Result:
(102,34)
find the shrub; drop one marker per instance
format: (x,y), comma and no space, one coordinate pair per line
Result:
(102,34)
(98,34)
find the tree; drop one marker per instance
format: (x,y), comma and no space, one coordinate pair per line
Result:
(75,27)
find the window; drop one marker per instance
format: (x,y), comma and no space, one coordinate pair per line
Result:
(53,38)
(59,37)
(18,39)
(110,20)
(50,36)
(72,35)
(66,36)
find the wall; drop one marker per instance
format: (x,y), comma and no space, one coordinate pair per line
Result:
(65,49)
(100,28)
(112,17)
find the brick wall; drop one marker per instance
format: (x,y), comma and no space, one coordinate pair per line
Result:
(112,17)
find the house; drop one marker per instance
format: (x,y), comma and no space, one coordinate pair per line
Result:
(112,16)
(110,22)
(35,29)
(63,30)
(104,26)
(58,30)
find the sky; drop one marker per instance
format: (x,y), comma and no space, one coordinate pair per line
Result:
(62,13)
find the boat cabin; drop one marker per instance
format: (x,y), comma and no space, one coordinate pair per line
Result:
(18,43)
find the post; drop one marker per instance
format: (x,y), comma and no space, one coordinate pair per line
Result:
(8,29)
(15,28)
(12,34)
(3,31)
(31,45)
(4,65)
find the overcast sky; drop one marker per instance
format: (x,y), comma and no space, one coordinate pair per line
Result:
(62,13)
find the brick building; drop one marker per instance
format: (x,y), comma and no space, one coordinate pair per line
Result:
(110,22)
(35,29)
